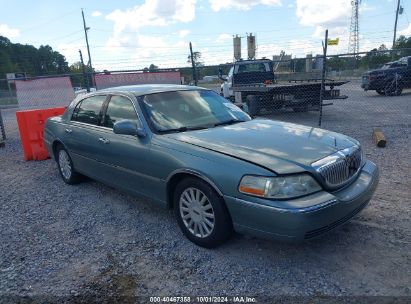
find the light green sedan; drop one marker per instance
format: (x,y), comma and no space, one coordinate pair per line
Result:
(189,149)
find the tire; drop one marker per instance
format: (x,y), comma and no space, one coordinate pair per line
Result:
(380,92)
(252,102)
(65,166)
(201,213)
(393,88)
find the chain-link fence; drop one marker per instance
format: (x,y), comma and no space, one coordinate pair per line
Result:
(356,90)
(7,98)
(377,86)
(2,131)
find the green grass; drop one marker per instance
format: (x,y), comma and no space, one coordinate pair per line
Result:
(8,101)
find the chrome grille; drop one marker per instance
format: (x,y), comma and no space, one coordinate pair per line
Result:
(341,166)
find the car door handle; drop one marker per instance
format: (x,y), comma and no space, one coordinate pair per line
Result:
(104,140)
(69,131)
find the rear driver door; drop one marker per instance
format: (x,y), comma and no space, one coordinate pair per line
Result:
(81,135)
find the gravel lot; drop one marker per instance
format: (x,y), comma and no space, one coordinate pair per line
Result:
(91,240)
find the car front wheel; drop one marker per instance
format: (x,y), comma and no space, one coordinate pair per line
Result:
(201,213)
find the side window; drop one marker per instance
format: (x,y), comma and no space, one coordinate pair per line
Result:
(403,61)
(230,73)
(89,110)
(119,108)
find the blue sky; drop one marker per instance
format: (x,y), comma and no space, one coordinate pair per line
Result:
(132,34)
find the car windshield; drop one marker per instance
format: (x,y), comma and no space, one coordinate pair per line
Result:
(387,66)
(251,67)
(180,111)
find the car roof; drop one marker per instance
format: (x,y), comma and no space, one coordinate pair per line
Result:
(144,89)
(252,61)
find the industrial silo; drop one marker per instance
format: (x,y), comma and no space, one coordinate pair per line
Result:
(237,47)
(251,46)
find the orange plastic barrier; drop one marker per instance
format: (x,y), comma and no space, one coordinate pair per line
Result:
(31,127)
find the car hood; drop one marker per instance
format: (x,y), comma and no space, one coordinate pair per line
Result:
(376,71)
(383,71)
(278,146)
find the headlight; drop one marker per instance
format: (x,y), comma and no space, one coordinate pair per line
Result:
(279,187)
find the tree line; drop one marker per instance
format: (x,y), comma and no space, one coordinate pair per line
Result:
(16,57)
(375,58)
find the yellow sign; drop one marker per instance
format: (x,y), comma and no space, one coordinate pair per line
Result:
(333,41)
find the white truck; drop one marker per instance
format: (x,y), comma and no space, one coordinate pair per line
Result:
(252,85)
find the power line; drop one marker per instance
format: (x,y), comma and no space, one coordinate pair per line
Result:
(49,21)
(57,38)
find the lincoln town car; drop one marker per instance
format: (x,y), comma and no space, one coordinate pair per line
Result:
(221,171)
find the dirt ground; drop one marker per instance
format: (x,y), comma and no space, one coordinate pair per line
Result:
(90,241)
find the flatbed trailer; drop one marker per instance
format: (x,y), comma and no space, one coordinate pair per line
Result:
(301,96)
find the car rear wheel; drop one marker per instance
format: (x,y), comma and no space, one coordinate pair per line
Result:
(253,105)
(201,213)
(65,165)
(393,88)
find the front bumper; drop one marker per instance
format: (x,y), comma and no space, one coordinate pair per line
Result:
(375,84)
(310,216)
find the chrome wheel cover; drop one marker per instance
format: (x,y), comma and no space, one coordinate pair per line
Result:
(64,164)
(197,212)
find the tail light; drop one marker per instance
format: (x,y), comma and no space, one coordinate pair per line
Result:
(268,82)
(376,76)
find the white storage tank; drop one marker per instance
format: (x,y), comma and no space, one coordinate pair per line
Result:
(251,46)
(237,47)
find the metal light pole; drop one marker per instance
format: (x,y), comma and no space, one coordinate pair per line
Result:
(88,48)
(325,43)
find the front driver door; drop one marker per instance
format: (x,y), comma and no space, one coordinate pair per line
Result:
(126,157)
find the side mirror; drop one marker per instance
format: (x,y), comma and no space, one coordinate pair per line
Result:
(128,127)
(141,132)
(220,74)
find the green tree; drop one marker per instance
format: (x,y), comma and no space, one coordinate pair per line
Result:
(77,78)
(403,43)
(152,68)
(198,62)
(16,57)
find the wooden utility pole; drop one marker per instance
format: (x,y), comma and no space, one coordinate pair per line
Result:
(193,65)
(90,66)
(395,24)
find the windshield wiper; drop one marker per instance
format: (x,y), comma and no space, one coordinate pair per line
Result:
(182,129)
(228,122)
